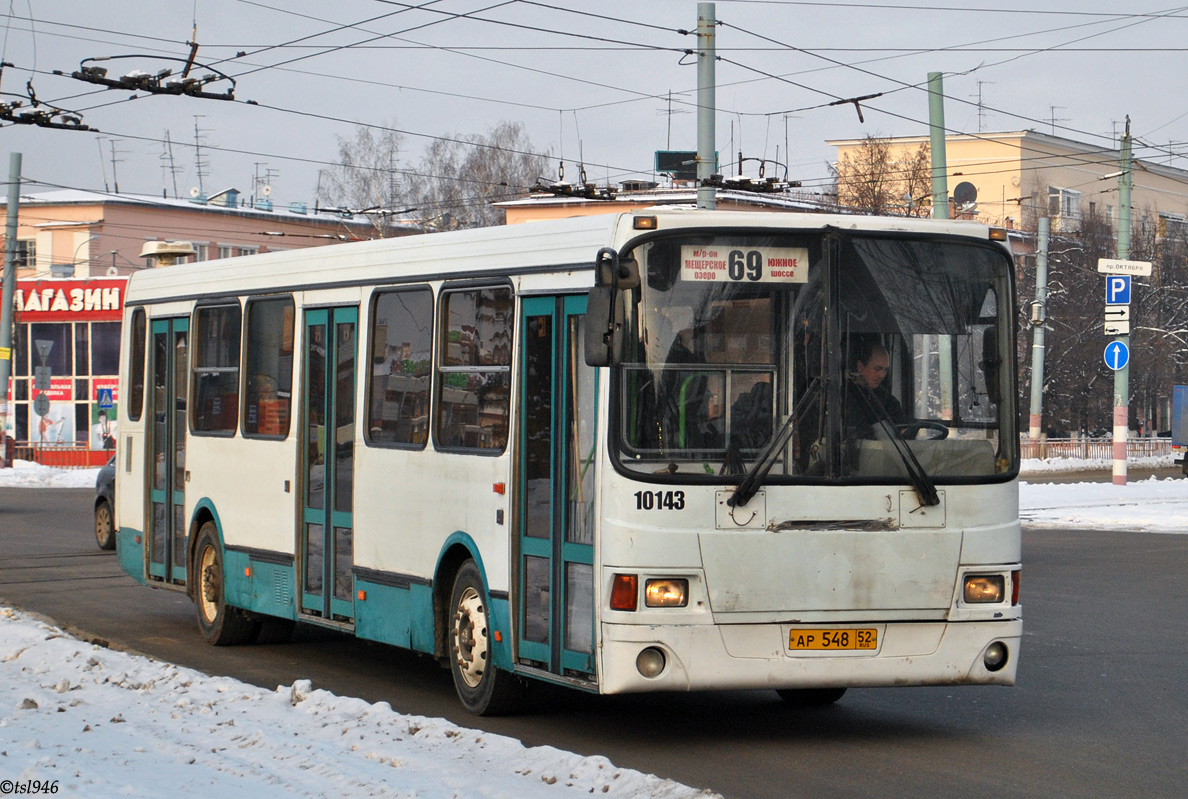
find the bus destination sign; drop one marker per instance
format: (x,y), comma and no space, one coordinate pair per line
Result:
(725,264)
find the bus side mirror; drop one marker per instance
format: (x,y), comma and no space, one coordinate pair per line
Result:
(603,326)
(604,306)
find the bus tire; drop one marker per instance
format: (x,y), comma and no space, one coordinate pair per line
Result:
(483,689)
(104,525)
(219,623)
(811,697)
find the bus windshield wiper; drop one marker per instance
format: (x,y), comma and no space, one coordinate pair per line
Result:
(925,488)
(750,484)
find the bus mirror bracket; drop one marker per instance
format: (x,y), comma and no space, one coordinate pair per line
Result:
(604,306)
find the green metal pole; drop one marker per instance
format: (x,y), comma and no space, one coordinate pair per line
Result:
(10,244)
(940,210)
(936,140)
(706,104)
(1122,376)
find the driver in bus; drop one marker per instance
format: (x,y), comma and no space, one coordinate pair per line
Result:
(868,398)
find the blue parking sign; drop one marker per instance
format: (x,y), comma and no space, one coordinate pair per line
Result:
(1117,289)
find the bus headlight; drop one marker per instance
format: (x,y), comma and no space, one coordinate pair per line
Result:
(669,593)
(983,588)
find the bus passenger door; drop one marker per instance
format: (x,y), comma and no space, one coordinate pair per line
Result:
(555,498)
(167,450)
(326,534)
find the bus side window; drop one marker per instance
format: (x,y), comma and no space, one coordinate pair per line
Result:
(474,369)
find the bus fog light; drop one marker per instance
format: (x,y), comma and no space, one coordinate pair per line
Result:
(983,588)
(996,656)
(666,593)
(650,662)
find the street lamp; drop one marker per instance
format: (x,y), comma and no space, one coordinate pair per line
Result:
(68,270)
(74,258)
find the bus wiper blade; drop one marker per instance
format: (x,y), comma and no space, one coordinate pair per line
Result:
(750,484)
(925,488)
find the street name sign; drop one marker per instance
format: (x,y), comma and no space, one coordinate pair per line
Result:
(1114,266)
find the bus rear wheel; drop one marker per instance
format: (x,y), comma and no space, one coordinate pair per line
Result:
(219,623)
(483,689)
(811,697)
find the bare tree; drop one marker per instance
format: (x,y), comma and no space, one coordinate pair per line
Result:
(461,176)
(368,178)
(878,180)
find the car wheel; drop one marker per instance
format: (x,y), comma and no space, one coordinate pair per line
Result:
(104,525)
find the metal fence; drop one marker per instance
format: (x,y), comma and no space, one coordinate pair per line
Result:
(74,456)
(1092,448)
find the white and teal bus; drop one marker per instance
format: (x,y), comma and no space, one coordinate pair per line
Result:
(669,450)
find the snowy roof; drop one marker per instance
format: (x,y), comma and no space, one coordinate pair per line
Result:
(291,212)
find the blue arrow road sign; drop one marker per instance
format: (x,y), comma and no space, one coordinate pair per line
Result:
(1118,290)
(1117,355)
(105,401)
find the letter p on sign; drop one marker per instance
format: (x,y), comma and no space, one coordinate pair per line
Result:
(1117,289)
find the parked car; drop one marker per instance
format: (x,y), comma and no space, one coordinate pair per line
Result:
(104,506)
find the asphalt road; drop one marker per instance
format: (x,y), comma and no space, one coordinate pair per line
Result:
(1099,711)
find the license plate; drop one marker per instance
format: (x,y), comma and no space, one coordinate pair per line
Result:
(833,639)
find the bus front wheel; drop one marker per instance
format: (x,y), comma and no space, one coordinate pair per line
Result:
(483,689)
(219,623)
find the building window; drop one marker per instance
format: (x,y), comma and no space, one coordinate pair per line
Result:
(401,348)
(247,250)
(474,369)
(268,396)
(201,252)
(1172,226)
(216,369)
(26,254)
(52,347)
(105,348)
(224,252)
(1064,207)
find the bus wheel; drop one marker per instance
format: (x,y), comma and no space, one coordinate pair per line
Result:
(811,697)
(219,623)
(483,689)
(104,529)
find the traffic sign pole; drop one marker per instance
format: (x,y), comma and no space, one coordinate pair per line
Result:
(1122,376)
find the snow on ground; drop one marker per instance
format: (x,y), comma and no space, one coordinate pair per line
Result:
(103,723)
(99,722)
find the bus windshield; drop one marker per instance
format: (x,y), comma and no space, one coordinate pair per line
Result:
(836,357)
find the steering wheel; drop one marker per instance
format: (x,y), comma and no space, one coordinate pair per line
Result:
(936,430)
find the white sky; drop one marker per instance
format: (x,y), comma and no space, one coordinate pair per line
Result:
(107,723)
(589,86)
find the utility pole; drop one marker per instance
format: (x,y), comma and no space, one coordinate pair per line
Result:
(1122,376)
(1039,315)
(706,104)
(940,210)
(936,143)
(10,245)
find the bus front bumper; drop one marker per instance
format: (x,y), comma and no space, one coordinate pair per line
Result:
(753,656)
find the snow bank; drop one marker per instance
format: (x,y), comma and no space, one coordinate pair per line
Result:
(104,723)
